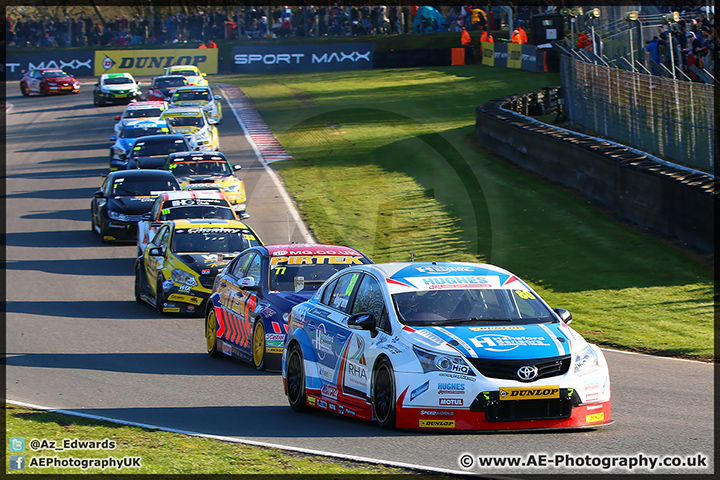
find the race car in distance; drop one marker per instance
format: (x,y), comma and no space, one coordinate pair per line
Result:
(190,72)
(199,97)
(209,171)
(442,345)
(128,134)
(176,271)
(124,197)
(194,124)
(180,205)
(139,111)
(46,81)
(247,315)
(163,86)
(152,151)
(116,88)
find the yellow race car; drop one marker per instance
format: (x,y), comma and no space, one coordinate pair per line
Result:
(191,72)
(209,171)
(194,124)
(177,270)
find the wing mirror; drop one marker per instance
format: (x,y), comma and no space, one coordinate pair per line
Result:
(366,321)
(237,167)
(155,251)
(248,283)
(564,315)
(117,117)
(98,194)
(113,138)
(217,97)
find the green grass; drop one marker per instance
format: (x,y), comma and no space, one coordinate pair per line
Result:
(386,162)
(167,453)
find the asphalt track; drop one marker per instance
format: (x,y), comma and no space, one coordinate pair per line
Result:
(76,339)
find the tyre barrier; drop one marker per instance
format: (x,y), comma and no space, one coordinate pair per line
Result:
(670,199)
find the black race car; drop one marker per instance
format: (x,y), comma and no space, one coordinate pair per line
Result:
(124,197)
(152,151)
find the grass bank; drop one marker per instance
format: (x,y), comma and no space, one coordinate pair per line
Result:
(163,452)
(385,161)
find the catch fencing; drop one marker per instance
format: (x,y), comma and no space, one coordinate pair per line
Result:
(671,119)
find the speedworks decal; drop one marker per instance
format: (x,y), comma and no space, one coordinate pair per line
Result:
(295,58)
(154,62)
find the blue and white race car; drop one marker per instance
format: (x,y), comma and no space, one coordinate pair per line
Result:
(128,134)
(442,345)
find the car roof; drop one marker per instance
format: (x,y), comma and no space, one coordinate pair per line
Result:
(208,223)
(157,77)
(50,69)
(116,75)
(185,194)
(413,276)
(146,122)
(145,104)
(191,156)
(290,249)
(180,67)
(163,138)
(141,172)
(176,111)
(192,87)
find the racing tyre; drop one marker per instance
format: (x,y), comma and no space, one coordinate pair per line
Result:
(138,285)
(296,380)
(23,90)
(211,333)
(258,349)
(41,90)
(383,394)
(159,296)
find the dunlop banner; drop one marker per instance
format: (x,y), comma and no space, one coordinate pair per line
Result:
(154,62)
(488,53)
(514,59)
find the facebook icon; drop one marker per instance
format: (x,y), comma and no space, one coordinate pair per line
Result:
(17,462)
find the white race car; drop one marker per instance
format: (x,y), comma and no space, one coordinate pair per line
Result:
(442,345)
(199,97)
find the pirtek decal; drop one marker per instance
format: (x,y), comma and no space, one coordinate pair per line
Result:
(524,393)
(154,62)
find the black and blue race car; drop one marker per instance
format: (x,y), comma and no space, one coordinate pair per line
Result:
(247,314)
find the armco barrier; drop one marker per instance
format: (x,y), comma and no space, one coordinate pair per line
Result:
(673,200)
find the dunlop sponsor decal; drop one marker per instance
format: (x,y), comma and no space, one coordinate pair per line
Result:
(274,349)
(529,393)
(595,417)
(185,298)
(437,423)
(154,62)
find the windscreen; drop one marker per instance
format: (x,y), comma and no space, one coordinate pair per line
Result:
(142,112)
(213,240)
(314,270)
(158,147)
(117,81)
(55,74)
(186,73)
(137,132)
(185,121)
(470,307)
(170,82)
(191,95)
(143,186)
(210,168)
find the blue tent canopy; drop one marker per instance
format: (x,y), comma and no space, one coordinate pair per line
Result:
(434,21)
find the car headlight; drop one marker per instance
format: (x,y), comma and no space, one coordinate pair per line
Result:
(121,217)
(442,362)
(118,150)
(233,188)
(184,278)
(585,360)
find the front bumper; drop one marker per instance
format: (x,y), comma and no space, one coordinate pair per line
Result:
(59,89)
(119,231)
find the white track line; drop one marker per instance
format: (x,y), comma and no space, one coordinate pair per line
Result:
(236,440)
(281,188)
